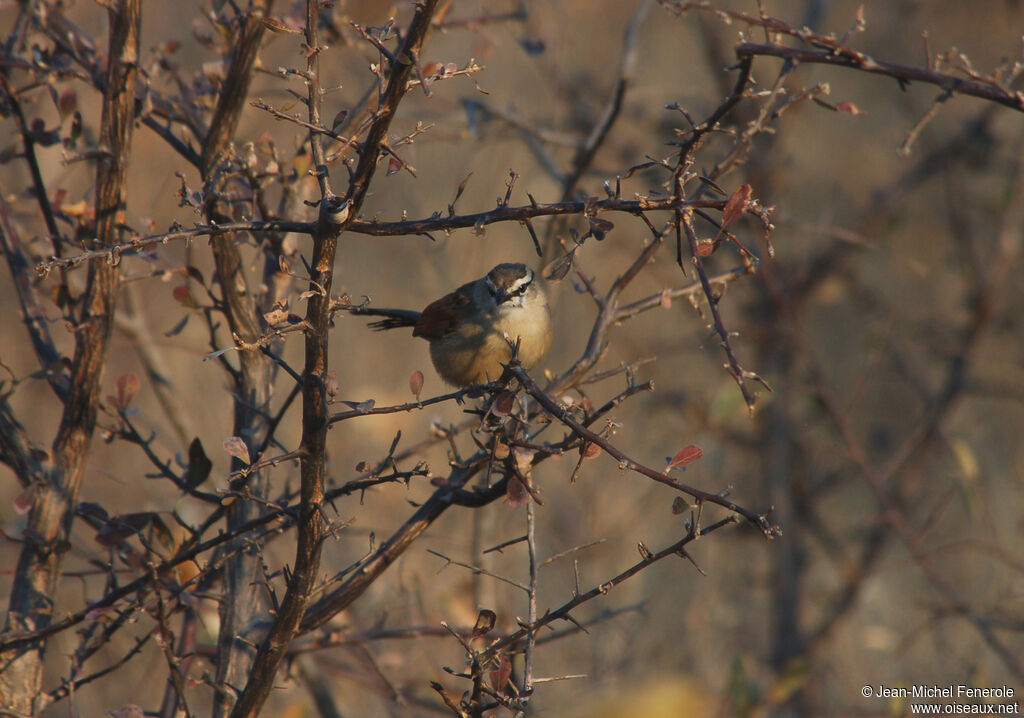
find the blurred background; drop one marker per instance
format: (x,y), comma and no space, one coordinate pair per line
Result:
(888,325)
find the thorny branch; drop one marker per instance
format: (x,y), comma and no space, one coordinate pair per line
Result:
(363,141)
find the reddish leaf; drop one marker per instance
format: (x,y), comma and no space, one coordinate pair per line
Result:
(503,403)
(127,387)
(590,450)
(500,675)
(461,188)
(679,505)
(416,383)
(685,456)
(67,103)
(394,165)
(516,493)
(848,107)
(735,205)
(183,296)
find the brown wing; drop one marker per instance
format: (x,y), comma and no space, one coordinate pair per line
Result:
(441,316)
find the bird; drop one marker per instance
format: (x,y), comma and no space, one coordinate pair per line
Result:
(473,329)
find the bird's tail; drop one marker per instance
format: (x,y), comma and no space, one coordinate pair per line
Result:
(393,318)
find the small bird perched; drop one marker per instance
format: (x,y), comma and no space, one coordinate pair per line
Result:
(473,329)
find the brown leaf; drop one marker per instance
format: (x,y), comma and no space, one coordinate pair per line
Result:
(516,493)
(199,465)
(331,383)
(500,675)
(275,25)
(461,188)
(67,103)
(127,387)
(556,270)
(278,314)
(339,119)
(600,227)
(735,205)
(503,403)
(524,460)
(235,446)
(122,527)
(485,621)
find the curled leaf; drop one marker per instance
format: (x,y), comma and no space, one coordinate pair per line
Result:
(278,314)
(485,621)
(524,460)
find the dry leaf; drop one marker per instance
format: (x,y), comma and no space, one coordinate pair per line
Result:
(235,446)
